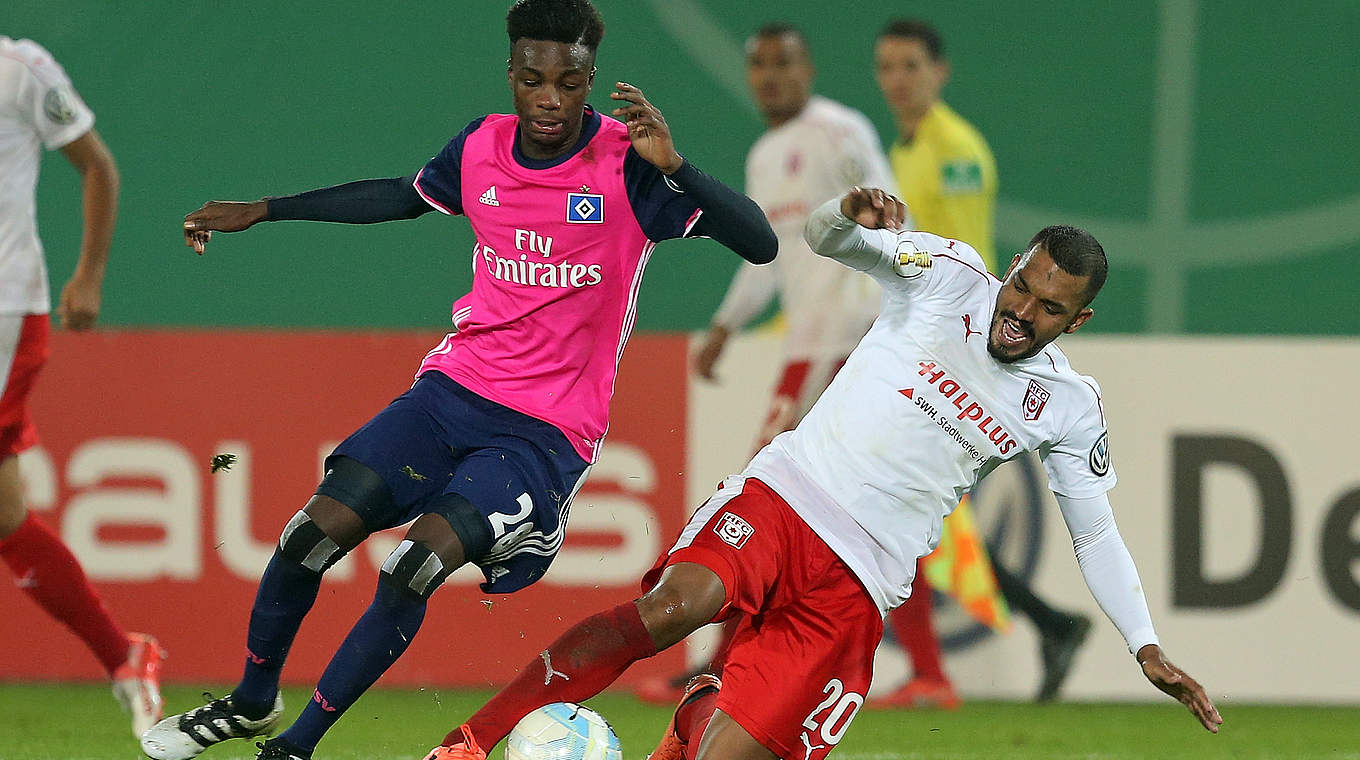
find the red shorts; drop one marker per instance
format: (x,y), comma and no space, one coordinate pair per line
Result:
(23,342)
(803,654)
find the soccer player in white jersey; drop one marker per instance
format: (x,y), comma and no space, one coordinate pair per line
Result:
(818,537)
(813,150)
(39,108)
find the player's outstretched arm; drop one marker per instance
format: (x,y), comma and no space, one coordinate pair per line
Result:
(857,229)
(364,202)
(1110,574)
(729,217)
(1179,685)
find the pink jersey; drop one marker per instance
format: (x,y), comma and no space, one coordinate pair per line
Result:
(557,267)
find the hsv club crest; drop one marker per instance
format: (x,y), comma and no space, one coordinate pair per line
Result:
(1035,398)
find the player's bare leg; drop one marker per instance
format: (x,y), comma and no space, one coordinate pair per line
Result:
(12,509)
(686,598)
(725,739)
(48,572)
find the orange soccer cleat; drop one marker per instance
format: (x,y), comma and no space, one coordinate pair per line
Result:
(921,692)
(466,749)
(137,682)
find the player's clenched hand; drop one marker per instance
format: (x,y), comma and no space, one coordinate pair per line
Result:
(707,355)
(647,128)
(220,216)
(874,208)
(78,308)
(1179,685)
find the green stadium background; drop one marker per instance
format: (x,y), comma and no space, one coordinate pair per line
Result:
(1211,146)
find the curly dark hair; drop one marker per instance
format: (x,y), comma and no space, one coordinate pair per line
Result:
(569,21)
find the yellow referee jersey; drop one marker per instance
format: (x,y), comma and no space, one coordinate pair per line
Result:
(948,178)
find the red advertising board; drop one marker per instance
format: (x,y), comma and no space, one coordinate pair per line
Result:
(131,420)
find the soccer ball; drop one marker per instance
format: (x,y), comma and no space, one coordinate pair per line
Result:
(562,731)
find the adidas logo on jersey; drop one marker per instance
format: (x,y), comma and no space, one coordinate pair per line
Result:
(489,197)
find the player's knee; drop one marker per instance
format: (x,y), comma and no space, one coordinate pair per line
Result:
(679,605)
(358,489)
(305,543)
(463,535)
(413,569)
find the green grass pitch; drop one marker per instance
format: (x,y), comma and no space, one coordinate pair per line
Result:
(82,722)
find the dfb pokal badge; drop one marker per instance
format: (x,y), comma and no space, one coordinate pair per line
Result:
(1035,398)
(733,530)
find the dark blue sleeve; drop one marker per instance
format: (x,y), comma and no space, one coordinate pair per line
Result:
(691,203)
(662,209)
(440,183)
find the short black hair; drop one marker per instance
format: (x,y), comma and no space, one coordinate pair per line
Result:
(569,21)
(779,29)
(1076,252)
(916,29)
(776,29)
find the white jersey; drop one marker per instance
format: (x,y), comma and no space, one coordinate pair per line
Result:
(38,108)
(791,170)
(921,412)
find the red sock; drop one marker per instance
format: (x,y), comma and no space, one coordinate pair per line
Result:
(915,632)
(579,665)
(692,718)
(47,571)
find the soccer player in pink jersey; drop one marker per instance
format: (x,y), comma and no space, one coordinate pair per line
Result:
(567,205)
(818,537)
(39,107)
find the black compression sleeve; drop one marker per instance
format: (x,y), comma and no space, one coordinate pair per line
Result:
(363,202)
(729,217)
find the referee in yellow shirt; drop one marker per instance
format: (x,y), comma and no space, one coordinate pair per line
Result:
(948,178)
(944,168)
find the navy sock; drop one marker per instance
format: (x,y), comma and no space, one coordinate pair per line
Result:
(287,591)
(374,643)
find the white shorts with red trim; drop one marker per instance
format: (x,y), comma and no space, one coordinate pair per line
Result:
(23,351)
(800,384)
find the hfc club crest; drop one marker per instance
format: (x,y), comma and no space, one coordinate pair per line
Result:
(733,530)
(1035,398)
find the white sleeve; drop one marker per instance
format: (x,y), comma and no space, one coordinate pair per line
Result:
(1108,567)
(752,289)
(49,103)
(1079,464)
(881,254)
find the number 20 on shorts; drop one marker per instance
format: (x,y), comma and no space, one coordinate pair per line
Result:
(828,721)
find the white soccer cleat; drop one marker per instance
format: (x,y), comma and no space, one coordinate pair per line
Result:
(180,737)
(137,682)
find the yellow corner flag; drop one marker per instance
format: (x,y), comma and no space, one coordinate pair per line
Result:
(960,567)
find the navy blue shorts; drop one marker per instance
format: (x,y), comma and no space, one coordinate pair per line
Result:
(519,472)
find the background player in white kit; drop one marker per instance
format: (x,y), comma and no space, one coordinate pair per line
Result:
(814,150)
(39,107)
(818,538)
